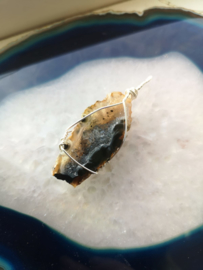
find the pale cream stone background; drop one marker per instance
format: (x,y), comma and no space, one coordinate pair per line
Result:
(150,192)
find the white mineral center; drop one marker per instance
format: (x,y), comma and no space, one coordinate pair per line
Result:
(149,193)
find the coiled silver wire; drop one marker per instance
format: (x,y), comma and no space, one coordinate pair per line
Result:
(131,91)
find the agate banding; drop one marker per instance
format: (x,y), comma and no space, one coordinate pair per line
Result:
(94,141)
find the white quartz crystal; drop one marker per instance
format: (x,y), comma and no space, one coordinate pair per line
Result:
(150,192)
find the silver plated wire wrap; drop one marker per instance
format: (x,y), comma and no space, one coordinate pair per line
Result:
(131,91)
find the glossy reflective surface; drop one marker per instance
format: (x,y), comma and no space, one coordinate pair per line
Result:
(26,243)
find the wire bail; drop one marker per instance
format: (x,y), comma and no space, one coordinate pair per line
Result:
(131,91)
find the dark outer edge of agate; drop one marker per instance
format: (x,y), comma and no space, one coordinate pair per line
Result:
(96,157)
(37,47)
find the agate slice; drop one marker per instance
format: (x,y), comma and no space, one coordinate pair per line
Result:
(95,140)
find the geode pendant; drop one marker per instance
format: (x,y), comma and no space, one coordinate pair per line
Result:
(94,140)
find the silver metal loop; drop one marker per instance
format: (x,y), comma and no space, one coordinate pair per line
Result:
(131,91)
(61,148)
